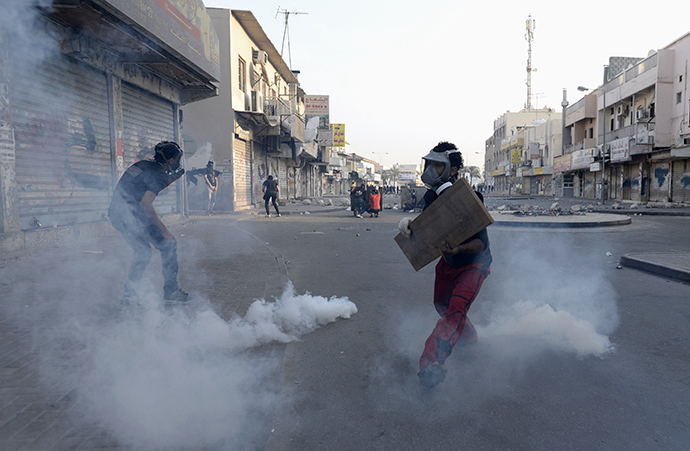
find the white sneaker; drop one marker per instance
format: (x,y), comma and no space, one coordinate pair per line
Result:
(268,216)
(278,215)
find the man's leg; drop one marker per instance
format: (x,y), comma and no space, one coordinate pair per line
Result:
(275,205)
(266,199)
(451,326)
(136,239)
(170,267)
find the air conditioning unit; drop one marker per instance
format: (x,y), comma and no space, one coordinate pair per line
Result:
(642,114)
(257,102)
(272,143)
(259,57)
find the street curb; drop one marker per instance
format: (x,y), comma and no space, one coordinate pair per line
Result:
(564,224)
(667,270)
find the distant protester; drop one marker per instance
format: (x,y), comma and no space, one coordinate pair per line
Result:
(212,185)
(460,272)
(271,190)
(374,203)
(132,213)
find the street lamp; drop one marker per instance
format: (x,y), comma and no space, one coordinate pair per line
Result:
(380,154)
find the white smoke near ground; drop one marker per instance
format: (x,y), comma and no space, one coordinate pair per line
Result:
(559,330)
(545,296)
(174,378)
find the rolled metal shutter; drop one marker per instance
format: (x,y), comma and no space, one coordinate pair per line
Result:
(681,181)
(148,120)
(62,139)
(659,182)
(242,176)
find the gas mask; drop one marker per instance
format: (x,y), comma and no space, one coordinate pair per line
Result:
(431,178)
(166,150)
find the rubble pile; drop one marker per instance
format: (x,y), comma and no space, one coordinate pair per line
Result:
(534,210)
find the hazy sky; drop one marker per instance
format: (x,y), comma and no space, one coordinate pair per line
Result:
(403,75)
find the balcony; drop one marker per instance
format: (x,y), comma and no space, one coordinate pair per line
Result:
(279,113)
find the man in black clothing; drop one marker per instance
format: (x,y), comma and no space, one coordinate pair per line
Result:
(270,189)
(133,215)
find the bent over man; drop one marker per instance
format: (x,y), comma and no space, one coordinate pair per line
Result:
(133,215)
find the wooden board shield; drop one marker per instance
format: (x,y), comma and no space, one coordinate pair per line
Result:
(454,217)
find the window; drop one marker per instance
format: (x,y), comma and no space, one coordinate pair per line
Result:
(679,97)
(241,66)
(591,132)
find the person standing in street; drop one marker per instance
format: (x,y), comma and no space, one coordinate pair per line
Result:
(357,194)
(460,272)
(212,185)
(132,213)
(271,190)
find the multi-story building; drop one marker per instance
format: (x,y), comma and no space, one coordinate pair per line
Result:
(642,125)
(256,125)
(89,88)
(503,158)
(542,142)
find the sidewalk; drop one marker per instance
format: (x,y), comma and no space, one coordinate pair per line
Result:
(59,300)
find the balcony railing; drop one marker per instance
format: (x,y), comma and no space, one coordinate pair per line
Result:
(279,112)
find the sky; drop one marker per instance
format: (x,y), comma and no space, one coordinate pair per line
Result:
(403,75)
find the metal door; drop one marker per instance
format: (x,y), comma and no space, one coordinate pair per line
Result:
(62,142)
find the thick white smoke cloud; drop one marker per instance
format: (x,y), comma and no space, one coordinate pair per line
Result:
(174,378)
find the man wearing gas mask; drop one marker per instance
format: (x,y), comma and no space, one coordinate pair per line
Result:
(132,213)
(460,272)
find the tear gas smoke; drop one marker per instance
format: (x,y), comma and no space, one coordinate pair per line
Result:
(172,378)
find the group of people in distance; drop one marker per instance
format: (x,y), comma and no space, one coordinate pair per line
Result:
(365,199)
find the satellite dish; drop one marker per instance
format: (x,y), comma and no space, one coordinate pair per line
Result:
(650,53)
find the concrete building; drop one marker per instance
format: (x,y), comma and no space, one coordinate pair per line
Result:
(504,149)
(88,88)
(641,122)
(255,127)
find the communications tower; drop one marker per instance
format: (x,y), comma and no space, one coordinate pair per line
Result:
(530,25)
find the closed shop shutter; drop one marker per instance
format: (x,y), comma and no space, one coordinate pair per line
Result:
(681,181)
(148,120)
(659,182)
(62,139)
(242,173)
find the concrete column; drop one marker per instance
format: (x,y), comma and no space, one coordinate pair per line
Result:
(117,150)
(9,201)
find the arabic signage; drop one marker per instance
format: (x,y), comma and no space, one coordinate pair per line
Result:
(183,25)
(338,135)
(580,159)
(515,156)
(561,164)
(620,150)
(317,105)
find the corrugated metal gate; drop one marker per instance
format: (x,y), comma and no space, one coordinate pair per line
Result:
(148,119)
(681,181)
(659,186)
(242,176)
(62,135)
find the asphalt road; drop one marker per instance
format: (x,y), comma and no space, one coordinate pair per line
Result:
(574,353)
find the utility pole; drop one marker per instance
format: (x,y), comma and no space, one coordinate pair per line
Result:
(530,25)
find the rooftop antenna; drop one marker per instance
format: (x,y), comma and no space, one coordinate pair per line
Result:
(530,25)
(286,32)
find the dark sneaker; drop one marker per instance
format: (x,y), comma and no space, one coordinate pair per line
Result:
(177,297)
(432,375)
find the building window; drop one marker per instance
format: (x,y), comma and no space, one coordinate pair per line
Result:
(679,97)
(242,68)
(591,132)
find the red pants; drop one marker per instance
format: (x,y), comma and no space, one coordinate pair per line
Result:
(454,291)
